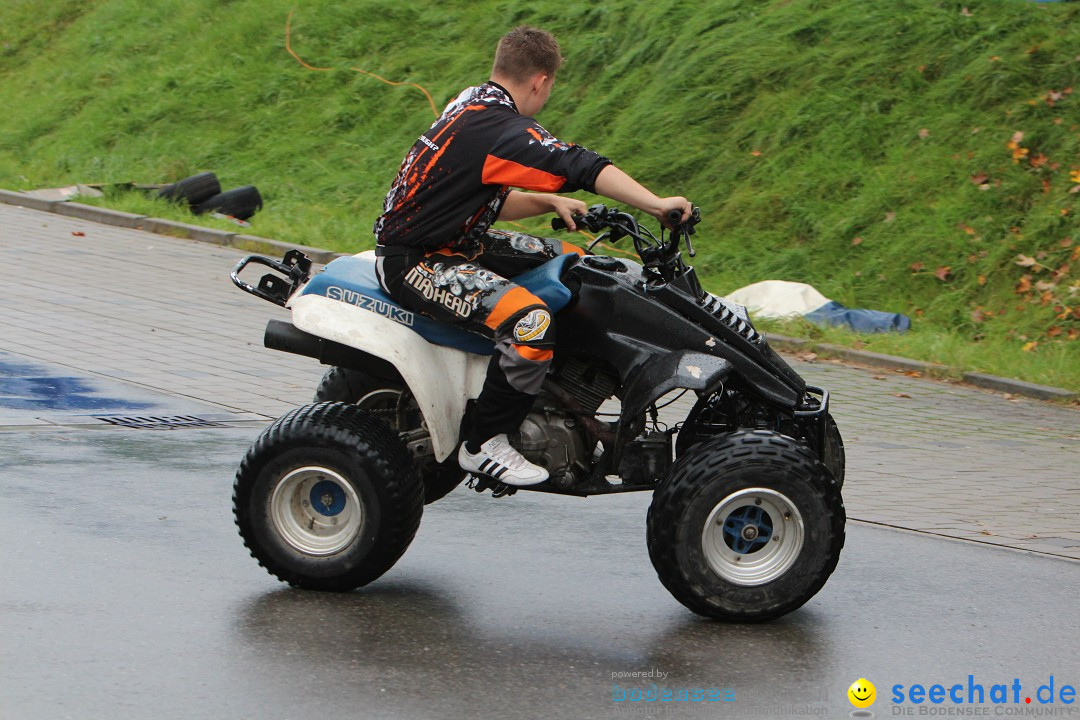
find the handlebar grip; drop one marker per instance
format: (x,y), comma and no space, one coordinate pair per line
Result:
(674,217)
(557,223)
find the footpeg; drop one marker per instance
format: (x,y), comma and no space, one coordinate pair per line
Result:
(480,483)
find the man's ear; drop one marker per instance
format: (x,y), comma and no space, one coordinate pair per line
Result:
(538,81)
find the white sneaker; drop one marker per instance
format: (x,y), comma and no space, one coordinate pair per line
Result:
(499,460)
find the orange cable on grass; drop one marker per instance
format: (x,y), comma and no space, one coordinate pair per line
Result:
(288,47)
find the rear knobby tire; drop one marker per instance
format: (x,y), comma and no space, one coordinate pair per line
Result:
(327,498)
(380,398)
(746,527)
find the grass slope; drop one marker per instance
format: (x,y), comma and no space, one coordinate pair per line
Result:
(901,155)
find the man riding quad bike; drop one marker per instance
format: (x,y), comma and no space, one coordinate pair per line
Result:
(446,362)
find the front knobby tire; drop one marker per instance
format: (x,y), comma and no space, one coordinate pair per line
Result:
(835,459)
(380,398)
(746,527)
(327,498)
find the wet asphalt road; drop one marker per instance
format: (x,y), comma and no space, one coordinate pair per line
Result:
(126,593)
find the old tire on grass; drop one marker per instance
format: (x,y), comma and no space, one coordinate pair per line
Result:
(327,498)
(192,190)
(746,526)
(240,203)
(381,398)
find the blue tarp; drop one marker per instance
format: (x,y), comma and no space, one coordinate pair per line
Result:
(866,321)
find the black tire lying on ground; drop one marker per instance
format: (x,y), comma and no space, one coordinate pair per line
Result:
(192,190)
(240,203)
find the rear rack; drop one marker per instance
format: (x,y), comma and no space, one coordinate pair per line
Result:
(296,266)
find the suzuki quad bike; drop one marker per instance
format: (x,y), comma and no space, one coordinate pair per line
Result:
(746,521)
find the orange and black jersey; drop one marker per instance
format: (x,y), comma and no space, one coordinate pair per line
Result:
(452,184)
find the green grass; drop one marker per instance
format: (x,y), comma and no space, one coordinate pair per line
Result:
(828,143)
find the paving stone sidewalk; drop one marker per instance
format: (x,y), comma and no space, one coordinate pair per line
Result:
(162,313)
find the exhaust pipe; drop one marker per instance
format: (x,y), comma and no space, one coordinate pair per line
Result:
(286,337)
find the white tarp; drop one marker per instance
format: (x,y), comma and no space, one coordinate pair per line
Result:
(778,298)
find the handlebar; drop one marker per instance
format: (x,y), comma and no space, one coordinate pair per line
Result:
(660,256)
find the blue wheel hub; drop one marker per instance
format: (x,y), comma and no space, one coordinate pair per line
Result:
(327,498)
(748,529)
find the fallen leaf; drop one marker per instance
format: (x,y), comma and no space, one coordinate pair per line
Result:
(977,316)
(1054,331)
(1067,242)
(913,373)
(756,153)
(890,216)
(856,241)
(980,178)
(1029,346)
(880,377)
(1074,333)
(1025,260)
(901,395)
(1018,137)
(78,233)
(924,133)
(982,279)
(1043,286)
(1024,285)
(965,12)
(1039,160)
(943,273)
(985,532)
(976,130)
(917,266)
(1045,186)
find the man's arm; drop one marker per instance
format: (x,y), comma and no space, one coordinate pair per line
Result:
(615,184)
(519,205)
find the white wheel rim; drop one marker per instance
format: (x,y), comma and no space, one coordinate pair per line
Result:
(753,536)
(316,511)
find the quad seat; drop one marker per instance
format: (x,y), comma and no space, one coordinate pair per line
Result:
(352,280)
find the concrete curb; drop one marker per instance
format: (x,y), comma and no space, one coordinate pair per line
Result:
(160,226)
(255,244)
(14,198)
(892,362)
(99,215)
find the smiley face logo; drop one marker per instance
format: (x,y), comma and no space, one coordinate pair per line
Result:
(862,693)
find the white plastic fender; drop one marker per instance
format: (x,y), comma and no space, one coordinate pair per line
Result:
(442,379)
